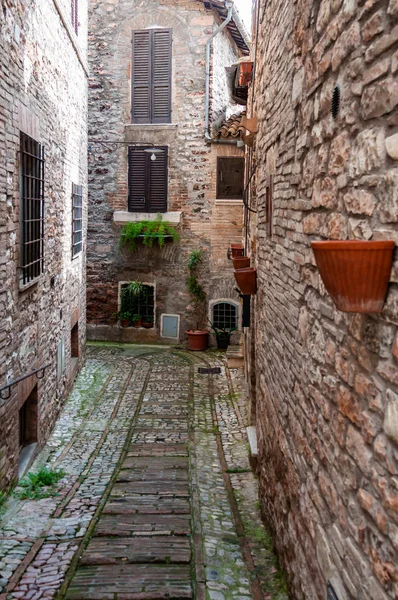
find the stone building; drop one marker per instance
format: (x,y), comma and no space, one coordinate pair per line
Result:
(148,90)
(324,383)
(43,167)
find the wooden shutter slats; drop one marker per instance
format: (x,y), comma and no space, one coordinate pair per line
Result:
(151,76)
(148,181)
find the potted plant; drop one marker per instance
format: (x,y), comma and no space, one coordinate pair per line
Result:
(124,317)
(356,273)
(198,339)
(147,322)
(148,232)
(241,262)
(223,336)
(247,280)
(137,320)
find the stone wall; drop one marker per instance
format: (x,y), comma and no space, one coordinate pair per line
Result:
(204,222)
(43,92)
(325,383)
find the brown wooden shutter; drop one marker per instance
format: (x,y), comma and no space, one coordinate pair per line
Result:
(151,76)
(230,177)
(137,176)
(161,76)
(141,77)
(158,182)
(148,181)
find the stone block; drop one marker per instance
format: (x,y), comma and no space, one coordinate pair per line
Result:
(379,99)
(392,146)
(360,202)
(391,416)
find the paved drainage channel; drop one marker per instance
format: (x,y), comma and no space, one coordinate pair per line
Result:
(146,509)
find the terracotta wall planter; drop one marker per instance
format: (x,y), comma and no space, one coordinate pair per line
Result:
(240,262)
(355,273)
(246,280)
(198,340)
(237,250)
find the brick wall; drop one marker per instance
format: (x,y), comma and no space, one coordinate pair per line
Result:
(205,224)
(325,383)
(42,93)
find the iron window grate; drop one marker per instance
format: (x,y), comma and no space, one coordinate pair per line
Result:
(32,209)
(224,315)
(143,304)
(77,219)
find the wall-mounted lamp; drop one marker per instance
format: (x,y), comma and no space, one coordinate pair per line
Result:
(153,152)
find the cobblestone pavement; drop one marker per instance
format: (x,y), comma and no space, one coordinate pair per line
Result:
(157,500)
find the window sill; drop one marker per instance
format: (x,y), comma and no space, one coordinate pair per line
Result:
(120,217)
(151,126)
(26,286)
(236,201)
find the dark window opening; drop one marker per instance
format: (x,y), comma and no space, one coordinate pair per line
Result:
(74,341)
(28,420)
(225,315)
(151,76)
(75,15)
(142,305)
(147,180)
(230,178)
(77,219)
(269,200)
(32,209)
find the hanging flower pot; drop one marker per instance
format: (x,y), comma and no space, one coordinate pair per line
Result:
(237,250)
(355,273)
(197,340)
(246,280)
(240,262)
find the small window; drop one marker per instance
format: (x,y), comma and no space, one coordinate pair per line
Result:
(148,180)
(230,178)
(140,305)
(77,219)
(75,15)
(225,315)
(32,209)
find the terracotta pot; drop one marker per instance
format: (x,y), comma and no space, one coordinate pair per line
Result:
(138,323)
(147,325)
(124,322)
(240,262)
(355,273)
(237,250)
(197,340)
(246,280)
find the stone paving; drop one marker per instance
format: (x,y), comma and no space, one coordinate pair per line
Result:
(157,500)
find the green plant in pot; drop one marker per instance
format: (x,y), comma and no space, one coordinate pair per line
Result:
(223,336)
(147,322)
(198,338)
(150,233)
(123,316)
(137,320)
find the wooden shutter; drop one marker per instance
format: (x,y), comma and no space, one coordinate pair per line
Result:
(161,76)
(137,180)
(141,77)
(148,181)
(230,177)
(157,195)
(151,76)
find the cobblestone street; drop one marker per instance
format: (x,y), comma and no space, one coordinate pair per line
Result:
(157,498)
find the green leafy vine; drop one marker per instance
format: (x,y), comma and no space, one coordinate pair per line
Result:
(150,232)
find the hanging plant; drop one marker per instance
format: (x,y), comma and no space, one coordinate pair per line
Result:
(149,232)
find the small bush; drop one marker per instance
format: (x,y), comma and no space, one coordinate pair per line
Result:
(150,232)
(39,485)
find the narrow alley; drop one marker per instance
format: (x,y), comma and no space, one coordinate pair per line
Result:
(157,498)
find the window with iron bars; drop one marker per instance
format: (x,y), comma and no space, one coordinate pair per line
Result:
(225,315)
(32,209)
(77,219)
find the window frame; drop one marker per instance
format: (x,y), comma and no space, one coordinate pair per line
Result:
(32,207)
(77,204)
(227,302)
(219,195)
(146,208)
(144,313)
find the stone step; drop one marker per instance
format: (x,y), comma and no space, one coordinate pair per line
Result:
(131,582)
(235,357)
(122,501)
(155,462)
(126,525)
(252,438)
(111,551)
(158,449)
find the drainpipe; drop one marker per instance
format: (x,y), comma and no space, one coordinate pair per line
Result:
(229,5)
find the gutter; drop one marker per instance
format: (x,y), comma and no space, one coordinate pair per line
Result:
(229,5)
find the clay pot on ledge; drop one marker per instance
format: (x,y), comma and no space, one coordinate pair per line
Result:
(355,273)
(124,323)
(198,340)
(236,250)
(247,280)
(240,262)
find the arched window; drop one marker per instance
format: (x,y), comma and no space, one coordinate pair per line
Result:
(225,315)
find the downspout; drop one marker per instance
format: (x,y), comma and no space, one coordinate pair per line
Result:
(229,5)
